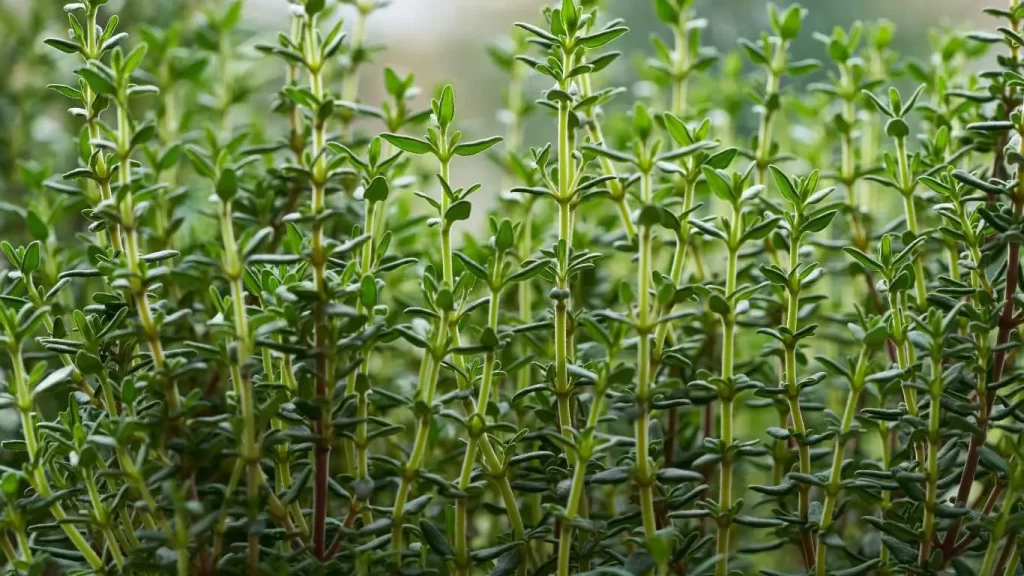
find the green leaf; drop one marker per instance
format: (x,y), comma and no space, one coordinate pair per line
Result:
(474,268)
(200,162)
(30,263)
(476,146)
(864,260)
(314,7)
(458,211)
(791,22)
(377,191)
(56,377)
(666,12)
(98,82)
(65,46)
(677,130)
(818,222)
(786,187)
(608,153)
(408,143)
(227,184)
(133,59)
(720,186)
(897,128)
(36,227)
(603,37)
(368,291)
(436,540)
(446,106)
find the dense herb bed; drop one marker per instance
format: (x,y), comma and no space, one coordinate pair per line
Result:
(675,345)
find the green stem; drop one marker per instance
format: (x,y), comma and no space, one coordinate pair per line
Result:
(793,393)
(644,472)
(563,389)
(907,184)
(250,452)
(37,476)
(102,516)
(477,420)
(676,271)
(931,489)
(998,531)
(618,194)
(578,486)
(722,546)
(318,257)
(902,350)
(680,85)
(430,368)
(838,452)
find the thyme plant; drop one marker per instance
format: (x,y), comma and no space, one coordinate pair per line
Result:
(251,331)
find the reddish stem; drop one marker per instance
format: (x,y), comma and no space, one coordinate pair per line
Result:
(322,450)
(998,364)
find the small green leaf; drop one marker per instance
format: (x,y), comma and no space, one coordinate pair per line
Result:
(377,191)
(446,106)
(603,37)
(408,143)
(30,263)
(458,211)
(227,184)
(98,82)
(66,46)
(476,147)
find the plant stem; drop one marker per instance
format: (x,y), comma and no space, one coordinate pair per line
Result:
(676,271)
(578,486)
(726,397)
(998,531)
(478,418)
(37,476)
(88,96)
(793,398)
(906,184)
(595,132)
(644,472)
(139,291)
(931,488)
(250,453)
(563,389)
(986,401)
(680,84)
(324,358)
(430,368)
(838,452)
(903,350)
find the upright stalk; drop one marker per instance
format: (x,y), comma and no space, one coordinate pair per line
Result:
(240,374)
(726,413)
(932,472)
(477,421)
(563,390)
(906,183)
(793,394)
(430,369)
(835,477)
(644,472)
(138,289)
(985,400)
(37,476)
(318,257)
(578,485)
